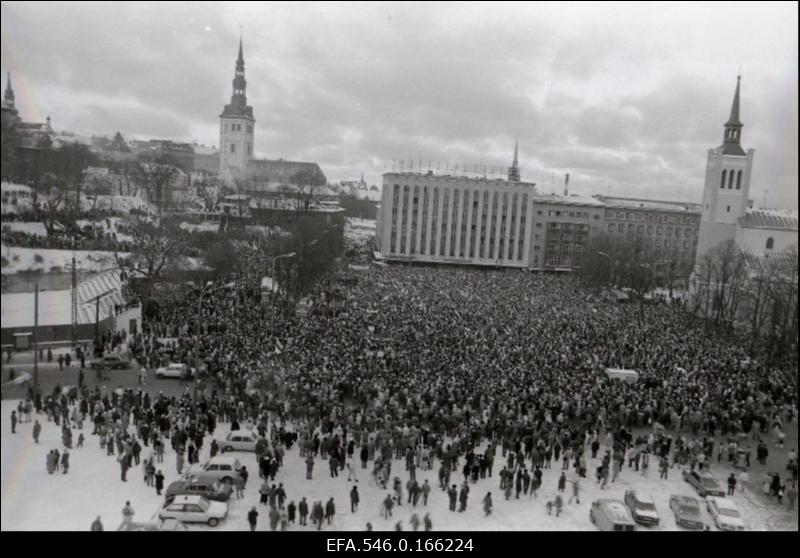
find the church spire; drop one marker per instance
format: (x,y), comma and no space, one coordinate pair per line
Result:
(239,83)
(513,171)
(733,127)
(9,95)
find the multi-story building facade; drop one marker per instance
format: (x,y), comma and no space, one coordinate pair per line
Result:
(477,221)
(453,219)
(562,230)
(667,231)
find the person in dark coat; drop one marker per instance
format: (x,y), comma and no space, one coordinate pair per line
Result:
(302,509)
(487,503)
(13,422)
(65,462)
(330,511)
(462,497)
(37,430)
(252,518)
(290,511)
(354,498)
(452,493)
(159,482)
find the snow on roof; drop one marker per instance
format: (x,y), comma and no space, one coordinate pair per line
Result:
(659,205)
(55,307)
(33,228)
(767,218)
(205,150)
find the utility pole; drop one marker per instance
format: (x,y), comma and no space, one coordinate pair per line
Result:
(35,341)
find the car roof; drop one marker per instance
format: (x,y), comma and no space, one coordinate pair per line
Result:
(188,499)
(685,499)
(643,497)
(615,508)
(723,502)
(224,459)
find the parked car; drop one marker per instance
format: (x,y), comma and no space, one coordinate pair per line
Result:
(725,513)
(238,440)
(213,490)
(611,515)
(194,509)
(220,468)
(642,507)
(110,362)
(174,370)
(687,511)
(704,482)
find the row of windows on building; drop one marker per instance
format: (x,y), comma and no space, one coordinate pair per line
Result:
(570,214)
(658,229)
(729,177)
(653,217)
(237,127)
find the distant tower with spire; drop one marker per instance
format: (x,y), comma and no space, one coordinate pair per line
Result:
(9,95)
(513,170)
(727,184)
(236,127)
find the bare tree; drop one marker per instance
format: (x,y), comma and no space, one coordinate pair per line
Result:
(158,177)
(158,245)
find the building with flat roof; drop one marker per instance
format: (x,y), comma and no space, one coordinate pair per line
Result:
(456,219)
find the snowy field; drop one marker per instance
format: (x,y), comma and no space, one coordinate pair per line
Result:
(34,500)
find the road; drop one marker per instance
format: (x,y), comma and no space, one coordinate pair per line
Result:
(50,375)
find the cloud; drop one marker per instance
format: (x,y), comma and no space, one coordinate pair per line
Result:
(622,96)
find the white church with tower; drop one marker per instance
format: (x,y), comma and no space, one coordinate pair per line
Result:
(727,211)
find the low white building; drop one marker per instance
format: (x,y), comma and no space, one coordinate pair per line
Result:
(761,231)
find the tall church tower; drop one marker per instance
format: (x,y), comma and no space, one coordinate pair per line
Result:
(236,127)
(727,185)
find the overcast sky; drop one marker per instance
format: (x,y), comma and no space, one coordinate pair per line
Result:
(626,98)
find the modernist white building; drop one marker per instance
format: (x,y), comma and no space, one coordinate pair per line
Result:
(456,219)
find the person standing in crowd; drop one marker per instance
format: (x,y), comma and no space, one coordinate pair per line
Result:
(127,513)
(354,499)
(252,518)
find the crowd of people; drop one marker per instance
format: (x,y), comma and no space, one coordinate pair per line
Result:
(445,369)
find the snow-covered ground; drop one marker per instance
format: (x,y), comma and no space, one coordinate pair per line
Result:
(34,500)
(123,204)
(24,259)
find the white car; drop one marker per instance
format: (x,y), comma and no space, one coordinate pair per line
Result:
(173,370)
(194,509)
(238,440)
(725,513)
(221,468)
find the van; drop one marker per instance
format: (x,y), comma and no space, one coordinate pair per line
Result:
(611,515)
